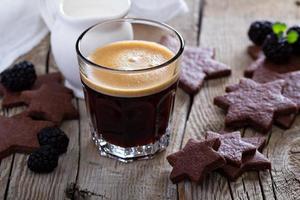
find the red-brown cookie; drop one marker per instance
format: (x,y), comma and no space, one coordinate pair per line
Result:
(254,51)
(195,161)
(293,63)
(255,104)
(197,65)
(291,90)
(258,142)
(51,103)
(12,98)
(19,134)
(214,143)
(256,162)
(232,146)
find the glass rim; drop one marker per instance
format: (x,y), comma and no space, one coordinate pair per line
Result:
(168,62)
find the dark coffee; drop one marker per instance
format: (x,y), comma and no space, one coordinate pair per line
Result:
(130,121)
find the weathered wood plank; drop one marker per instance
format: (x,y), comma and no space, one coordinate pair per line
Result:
(37,56)
(102,178)
(249,186)
(26,185)
(224,26)
(204,116)
(5,168)
(109,179)
(284,152)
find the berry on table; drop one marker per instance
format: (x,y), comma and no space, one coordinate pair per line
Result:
(54,137)
(277,49)
(43,160)
(296,45)
(20,77)
(259,30)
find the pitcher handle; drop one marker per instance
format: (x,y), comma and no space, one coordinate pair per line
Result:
(48,12)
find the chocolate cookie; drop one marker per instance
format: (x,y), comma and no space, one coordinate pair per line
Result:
(255,162)
(291,90)
(50,102)
(12,98)
(258,162)
(293,63)
(18,134)
(255,104)
(258,142)
(197,64)
(232,146)
(195,161)
(254,51)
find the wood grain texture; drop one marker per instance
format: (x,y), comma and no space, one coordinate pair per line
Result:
(284,152)
(224,26)
(248,186)
(27,185)
(102,178)
(105,178)
(83,174)
(36,56)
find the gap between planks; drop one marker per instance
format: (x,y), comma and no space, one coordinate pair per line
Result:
(53,185)
(100,176)
(229,20)
(10,112)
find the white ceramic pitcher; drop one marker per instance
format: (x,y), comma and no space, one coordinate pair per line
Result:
(67,20)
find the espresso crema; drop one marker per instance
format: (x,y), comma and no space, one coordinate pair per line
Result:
(128,56)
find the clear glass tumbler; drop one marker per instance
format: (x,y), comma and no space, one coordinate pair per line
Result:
(130,110)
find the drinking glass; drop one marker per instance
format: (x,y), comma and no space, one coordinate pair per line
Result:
(129,121)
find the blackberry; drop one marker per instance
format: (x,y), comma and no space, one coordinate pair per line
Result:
(296,45)
(20,77)
(259,30)
(54,137)
(43,160)
(277,49)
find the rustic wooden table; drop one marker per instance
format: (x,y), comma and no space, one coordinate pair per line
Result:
(82,174)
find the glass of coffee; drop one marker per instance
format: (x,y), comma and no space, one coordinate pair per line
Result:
(129,80)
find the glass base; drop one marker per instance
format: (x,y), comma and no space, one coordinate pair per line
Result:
(130,154)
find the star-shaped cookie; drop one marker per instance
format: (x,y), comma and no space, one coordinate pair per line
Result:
(255,162)
(232,147)
(51,103)
(291,90)
(293,64)
(195,161)
(12,98)
(19,134)
(258,142)
(255,104)
(254,51)
(197,64)
(258,162)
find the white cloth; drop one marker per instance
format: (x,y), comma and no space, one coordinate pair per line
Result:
(22,27)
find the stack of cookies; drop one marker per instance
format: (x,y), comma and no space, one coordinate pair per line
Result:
(273,94)
(226,153)
(47,103)
(270,94)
